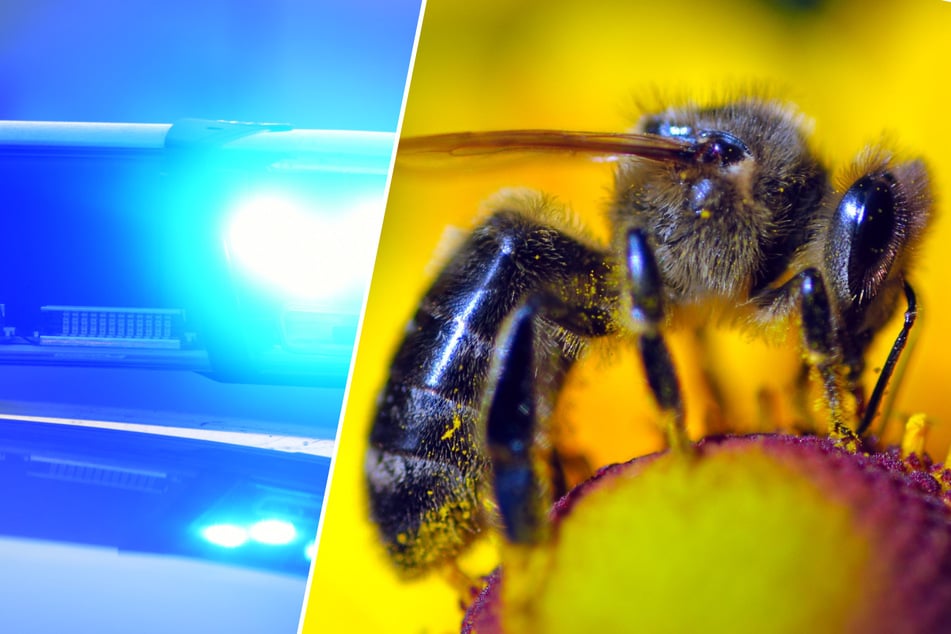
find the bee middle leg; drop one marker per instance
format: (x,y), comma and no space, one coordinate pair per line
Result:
(647,312)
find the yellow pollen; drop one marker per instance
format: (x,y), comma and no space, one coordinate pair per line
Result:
(456,422)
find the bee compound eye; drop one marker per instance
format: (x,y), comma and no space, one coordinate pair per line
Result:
(653,125)
(663,127)
(721,148)
(865,227)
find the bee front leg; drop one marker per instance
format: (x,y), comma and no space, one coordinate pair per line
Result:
(647,312)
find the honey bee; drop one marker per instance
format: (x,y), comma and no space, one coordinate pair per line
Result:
(719,212)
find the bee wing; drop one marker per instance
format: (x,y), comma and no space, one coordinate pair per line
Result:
(603,145)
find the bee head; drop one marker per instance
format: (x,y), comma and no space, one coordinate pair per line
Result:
(724,217)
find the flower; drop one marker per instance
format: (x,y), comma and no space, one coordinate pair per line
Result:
(754,533)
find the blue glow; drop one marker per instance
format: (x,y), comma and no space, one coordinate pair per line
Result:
(273,532)
(225,535)
(302,253)
(310,551)
(119,228)
(321,64)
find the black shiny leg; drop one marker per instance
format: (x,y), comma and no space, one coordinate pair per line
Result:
(911,312)
(647,311)
(822,351)
(511,423)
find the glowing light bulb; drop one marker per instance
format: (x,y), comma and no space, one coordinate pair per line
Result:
(274,532)
(302,252)
(225,535)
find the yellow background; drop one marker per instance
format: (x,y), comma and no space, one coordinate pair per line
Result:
(858,69)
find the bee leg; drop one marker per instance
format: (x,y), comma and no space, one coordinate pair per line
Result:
(511,426)
(511,423)
(647,311)
(911,312)
(822,352)
(510,409)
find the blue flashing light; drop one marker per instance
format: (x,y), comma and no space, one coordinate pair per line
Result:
(225,535)
(273,532)
(299,252)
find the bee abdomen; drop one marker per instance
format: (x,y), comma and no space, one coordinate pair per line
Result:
(426,510)
(424,470)
(413,420)
(426,477)
(425,466)
(445,355)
